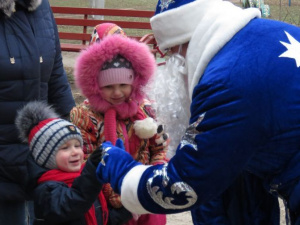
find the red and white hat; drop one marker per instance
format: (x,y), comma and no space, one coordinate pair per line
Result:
(105,29)
(40,126)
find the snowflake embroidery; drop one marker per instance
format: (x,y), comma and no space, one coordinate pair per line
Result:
(165,4)
(165,197)
(191,132)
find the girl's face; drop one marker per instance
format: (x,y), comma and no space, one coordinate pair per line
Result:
(69,156)
(116,93)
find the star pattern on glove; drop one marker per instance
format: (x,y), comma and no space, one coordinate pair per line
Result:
(104,154)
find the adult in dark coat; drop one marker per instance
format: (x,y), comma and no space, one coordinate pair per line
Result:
(31,68)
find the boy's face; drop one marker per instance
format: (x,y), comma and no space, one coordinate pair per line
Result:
(69,156)
(116,93)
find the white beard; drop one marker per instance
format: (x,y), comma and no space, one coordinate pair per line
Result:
(171,101)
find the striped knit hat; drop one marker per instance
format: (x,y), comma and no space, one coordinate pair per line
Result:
(40,127)
(105,29)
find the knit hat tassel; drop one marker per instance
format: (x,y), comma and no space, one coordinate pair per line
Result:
(110,126)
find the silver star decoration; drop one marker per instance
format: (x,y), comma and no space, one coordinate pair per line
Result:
(191,133)
(165,4)
(293,49)
(104,154)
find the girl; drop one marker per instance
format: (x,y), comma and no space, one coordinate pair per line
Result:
(112,74)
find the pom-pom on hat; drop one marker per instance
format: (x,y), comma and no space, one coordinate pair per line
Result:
(116,71)
(105,29)
(45,132)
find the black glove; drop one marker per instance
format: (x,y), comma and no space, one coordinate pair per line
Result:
(119,216)
(162,138)
(96,156)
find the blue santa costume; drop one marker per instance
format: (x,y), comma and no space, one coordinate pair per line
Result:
(244,83)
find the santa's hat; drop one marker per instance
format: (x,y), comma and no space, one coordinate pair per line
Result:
(174,22)
(165,5)
(45,132)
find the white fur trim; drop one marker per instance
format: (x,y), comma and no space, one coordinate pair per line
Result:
(222,22)
(34,4)
(175,26)
(8,7)
(129,188)
(145,128)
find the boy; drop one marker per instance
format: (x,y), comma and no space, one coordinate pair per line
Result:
(67,190)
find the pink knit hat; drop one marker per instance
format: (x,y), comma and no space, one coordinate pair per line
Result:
(116,71)
(90,62)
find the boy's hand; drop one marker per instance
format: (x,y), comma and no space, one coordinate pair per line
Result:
(115,164)
(96,156)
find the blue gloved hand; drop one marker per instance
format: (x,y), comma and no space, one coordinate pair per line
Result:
(115,164)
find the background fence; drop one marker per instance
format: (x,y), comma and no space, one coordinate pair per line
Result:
(283,10)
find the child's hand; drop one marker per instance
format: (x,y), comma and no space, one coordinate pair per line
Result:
(162,138)
(115,164)
(96,156)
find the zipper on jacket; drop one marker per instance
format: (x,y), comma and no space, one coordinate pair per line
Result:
(11,58)
(32,25)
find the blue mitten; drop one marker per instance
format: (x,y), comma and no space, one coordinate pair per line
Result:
(120,144)
(115,164)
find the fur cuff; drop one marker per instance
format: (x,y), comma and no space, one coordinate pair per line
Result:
(34,4)
(7,7)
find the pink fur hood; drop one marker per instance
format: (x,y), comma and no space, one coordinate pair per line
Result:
(90,62)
